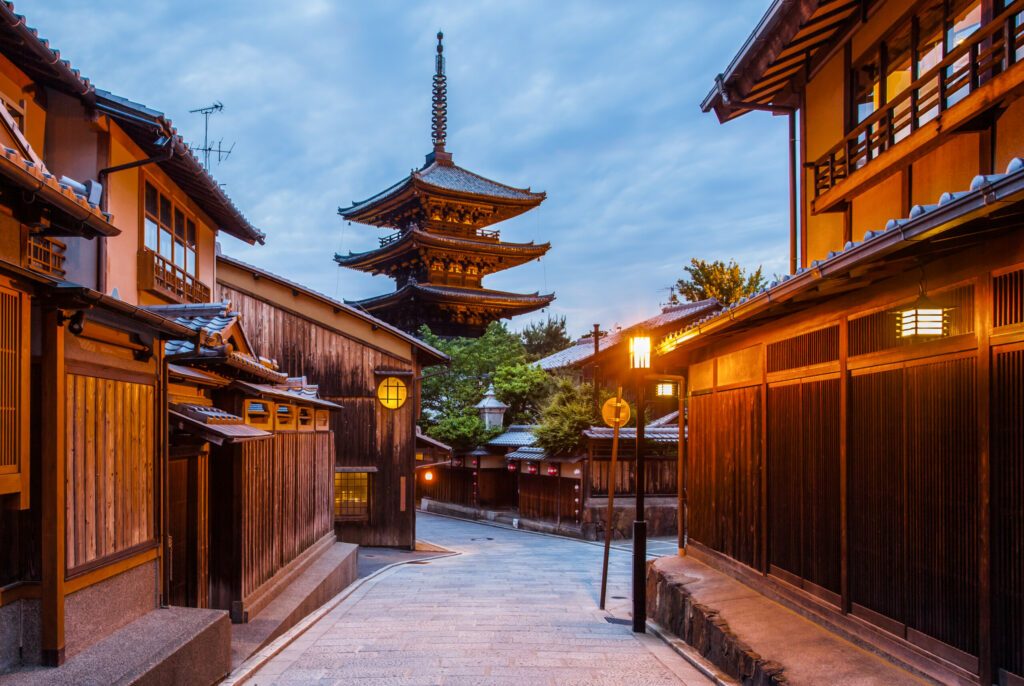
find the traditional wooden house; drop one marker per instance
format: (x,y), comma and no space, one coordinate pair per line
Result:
(368,367)
(855,440)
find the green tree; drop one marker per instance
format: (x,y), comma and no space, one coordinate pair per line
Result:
(726,283)
(524,388)
(462,431)
(569,412)
(544,338)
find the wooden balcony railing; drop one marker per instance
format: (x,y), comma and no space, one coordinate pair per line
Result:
(45,255)
(991,50)
(159,275)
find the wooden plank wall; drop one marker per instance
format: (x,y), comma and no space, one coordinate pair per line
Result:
(547,497)
(660,475)
(10,378)
(725,472)
(286,501)
(110,467)
(366,433)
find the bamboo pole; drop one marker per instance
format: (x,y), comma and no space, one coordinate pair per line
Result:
(611,496)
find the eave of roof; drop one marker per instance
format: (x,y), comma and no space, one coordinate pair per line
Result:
(72,296)
(218,434)
(144,125)
(38,59)
(410,240)
(429,351)
(444,178)
(456,294)
(280,393)
(953,209)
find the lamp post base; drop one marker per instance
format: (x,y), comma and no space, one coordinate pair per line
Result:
(640,576)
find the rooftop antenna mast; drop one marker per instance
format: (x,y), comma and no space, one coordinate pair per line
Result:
(208,147)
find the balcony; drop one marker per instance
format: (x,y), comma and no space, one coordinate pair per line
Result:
(939,100)
(159,275)
(45,255)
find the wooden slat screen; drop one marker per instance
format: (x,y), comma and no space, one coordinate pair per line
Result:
(814,347)
(878,331)
(1008,510)
(913,499)
(804,481)
(547,497)
(288,484)
(111,434)
(10,379)
(725,472)
(1008,298)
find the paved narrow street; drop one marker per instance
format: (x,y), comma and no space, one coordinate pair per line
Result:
(511,608)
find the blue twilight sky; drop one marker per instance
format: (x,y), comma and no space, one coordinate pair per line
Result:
(594,102)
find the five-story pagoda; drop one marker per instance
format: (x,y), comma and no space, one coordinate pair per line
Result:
(442,247)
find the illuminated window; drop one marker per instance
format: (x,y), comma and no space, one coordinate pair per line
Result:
(392,392)
(352,496)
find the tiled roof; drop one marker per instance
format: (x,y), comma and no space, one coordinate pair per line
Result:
(424,438)
(447,177)
(527,453)
(349,309)
(663,430)
(217,433)
(583,349)
(454,178)
(207,319)
(285,392)
(517,435)
(522,251)
(985,192)
(459,293)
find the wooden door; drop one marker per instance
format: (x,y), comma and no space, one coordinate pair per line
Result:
(187,531)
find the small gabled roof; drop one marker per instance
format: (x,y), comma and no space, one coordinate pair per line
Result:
(664,430)
(424,438)
(516,436)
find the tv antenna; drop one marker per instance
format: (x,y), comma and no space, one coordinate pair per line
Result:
(209,147)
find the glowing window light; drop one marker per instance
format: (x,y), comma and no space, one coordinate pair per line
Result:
(640,352)
(665,389)
(428,476)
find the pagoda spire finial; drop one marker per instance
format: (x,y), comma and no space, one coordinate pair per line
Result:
(439,115)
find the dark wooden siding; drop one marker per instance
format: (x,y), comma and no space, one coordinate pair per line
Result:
(914,499)
(725,472)
(547,497)
(1008,507)
(366,433)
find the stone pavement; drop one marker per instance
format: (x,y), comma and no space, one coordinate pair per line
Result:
(512,608)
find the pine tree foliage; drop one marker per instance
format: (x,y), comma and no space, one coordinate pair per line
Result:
(726,283)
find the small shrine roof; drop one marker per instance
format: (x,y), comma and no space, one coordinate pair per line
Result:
(527,453)
(517,436)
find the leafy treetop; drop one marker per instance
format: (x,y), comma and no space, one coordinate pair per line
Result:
(545,338)
(726,283)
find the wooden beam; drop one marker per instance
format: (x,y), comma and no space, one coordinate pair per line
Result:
(53,410)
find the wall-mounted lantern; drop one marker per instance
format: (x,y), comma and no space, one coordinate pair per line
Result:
(392,392)
(923,319)
(665,389)
(640,352)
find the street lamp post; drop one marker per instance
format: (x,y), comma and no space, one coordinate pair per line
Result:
(640,362)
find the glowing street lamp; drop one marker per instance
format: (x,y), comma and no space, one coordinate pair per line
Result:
(640,352)
(640,360)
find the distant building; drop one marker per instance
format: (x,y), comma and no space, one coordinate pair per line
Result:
(442,249)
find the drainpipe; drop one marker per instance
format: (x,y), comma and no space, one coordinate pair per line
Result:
(101,248)
(791,113)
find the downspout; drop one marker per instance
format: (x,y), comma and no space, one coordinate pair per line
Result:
(791,113)
(101,248)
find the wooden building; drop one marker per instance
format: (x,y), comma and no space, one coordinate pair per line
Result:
(368,367)
(855,439)
(442,248)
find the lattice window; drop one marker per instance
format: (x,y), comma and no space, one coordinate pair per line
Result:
(352,496)
(879,330)
(814,347)
(10,377)
(1008,298)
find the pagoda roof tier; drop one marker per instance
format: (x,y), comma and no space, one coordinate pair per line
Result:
(441,180)
(514,303)
(450,310)
(398,248)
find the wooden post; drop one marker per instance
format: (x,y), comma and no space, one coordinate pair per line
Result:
(611,497)
(983,325)
(682,474)
(53,409)
(844,481)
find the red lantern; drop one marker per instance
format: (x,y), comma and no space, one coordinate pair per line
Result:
(511,466)
(552,470)
(532,468)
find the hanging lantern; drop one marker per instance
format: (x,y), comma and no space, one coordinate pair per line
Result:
(428,476)
(552,470)
(640,352)
(511,466)
(531,468)
(924,319)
